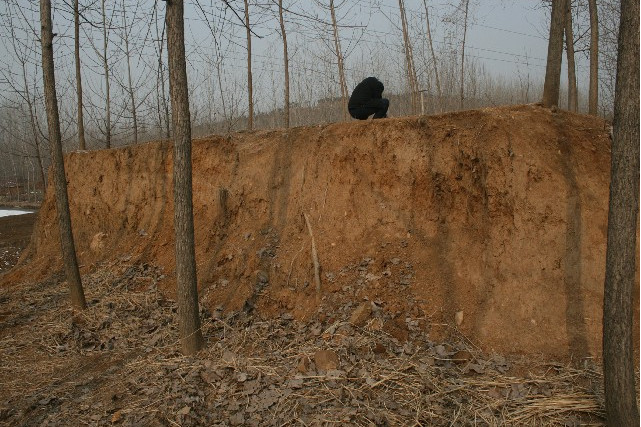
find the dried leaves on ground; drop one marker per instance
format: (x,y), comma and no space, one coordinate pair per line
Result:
(118,363)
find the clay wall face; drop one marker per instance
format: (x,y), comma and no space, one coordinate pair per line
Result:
(500,214)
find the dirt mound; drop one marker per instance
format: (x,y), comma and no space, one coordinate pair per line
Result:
(490,221)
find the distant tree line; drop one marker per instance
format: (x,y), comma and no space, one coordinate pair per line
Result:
(111,63)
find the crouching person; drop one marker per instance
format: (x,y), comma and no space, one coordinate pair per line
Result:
(367,99)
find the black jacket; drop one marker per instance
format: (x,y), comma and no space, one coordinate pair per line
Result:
(365,91)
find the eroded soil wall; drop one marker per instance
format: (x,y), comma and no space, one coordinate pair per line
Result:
(500,214)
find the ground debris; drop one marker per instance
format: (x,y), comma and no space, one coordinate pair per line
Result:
(118,363)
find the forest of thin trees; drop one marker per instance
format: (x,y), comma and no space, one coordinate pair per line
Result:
(268,64)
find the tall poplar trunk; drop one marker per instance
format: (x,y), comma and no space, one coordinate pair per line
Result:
(250,95)
(72,273)
(286,61)
(106,70)
(620,276)
(34,127)
(436,77)
(462,93)
(130,87)
(82,144)
(161,99)
(409,60)
(339,57)
(187,291)
(593,95)
(552,83)
(573,97)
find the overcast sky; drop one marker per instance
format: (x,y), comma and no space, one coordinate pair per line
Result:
(508,38)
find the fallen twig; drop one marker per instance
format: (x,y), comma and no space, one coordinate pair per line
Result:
(314,256)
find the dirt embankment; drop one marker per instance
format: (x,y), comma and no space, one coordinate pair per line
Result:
(495,217)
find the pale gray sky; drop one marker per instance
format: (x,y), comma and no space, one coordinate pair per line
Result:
(508,38)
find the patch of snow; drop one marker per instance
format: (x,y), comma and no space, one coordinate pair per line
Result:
(10,212)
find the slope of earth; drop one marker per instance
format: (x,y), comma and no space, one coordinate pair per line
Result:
(490,223)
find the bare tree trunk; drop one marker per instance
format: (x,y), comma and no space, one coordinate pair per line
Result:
(618,351)
(593,95)
(106,68)
(62,202)
(552,83)
(436,78)
(34,126)
(409,60)
(573,98)
(187,290)
(462,93)
(31,101)
(163,107)
(250,95)
(339,56)
(82,145)
(286,60)
(129,80)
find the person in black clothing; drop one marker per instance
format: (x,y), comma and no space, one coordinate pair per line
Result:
(367,99)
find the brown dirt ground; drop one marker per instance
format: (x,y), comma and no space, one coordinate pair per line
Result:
(480,231)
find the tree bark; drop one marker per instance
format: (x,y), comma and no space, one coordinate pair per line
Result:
(60,182)
(82,145)
(161,99)
(573,98)
(462,94)
(552,83)
(30,100)
(250,95)
(436,77)
(618,353)
(34,127)
(130,87)
(409,60)
(106,69)
(286,60)
(339,56)
(187,291)
(593,95)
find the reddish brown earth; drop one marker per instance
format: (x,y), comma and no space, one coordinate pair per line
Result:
(499,215)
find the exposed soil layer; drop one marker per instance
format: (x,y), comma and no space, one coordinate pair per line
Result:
(489,222)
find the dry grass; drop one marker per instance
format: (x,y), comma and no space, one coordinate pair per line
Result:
(119,363)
